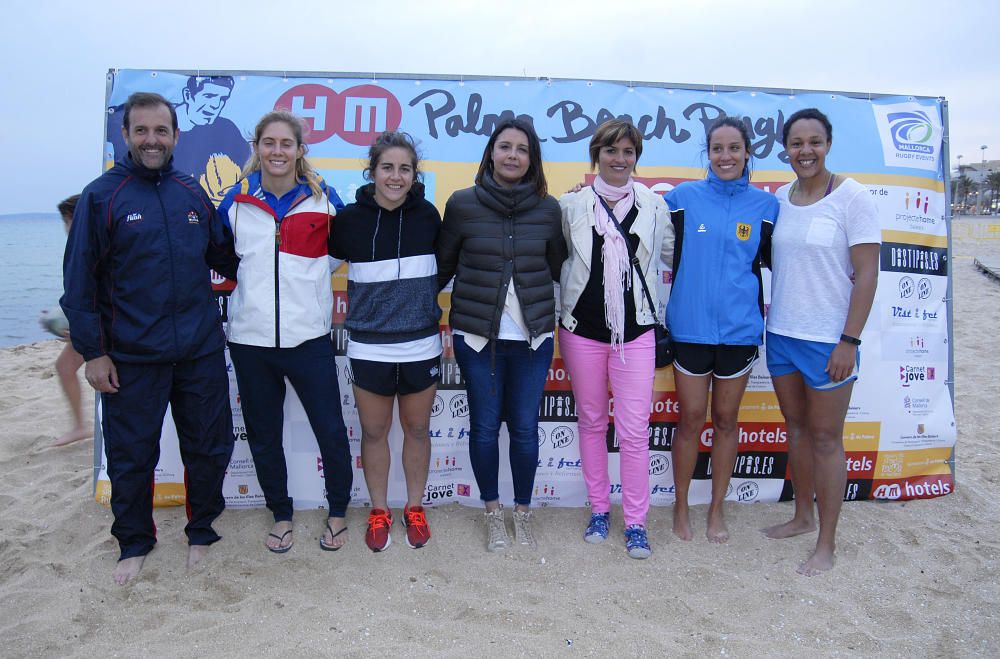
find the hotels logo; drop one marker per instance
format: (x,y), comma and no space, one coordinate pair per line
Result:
(889,491)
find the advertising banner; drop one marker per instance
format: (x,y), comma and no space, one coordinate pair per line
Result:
(900,430)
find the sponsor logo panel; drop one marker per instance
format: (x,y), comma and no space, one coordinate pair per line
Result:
(912,257)
(918,462)
(861,436)
(752,437)
(558,406)
(919,487)
(910,134)
(558,377)
(760,406)
(661,437)
(861,464)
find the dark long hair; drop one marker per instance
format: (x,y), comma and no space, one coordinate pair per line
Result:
(535,174)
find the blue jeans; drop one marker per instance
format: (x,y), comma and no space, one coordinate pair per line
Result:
(509,391)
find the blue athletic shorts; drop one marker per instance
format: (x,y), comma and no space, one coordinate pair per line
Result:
(787,355)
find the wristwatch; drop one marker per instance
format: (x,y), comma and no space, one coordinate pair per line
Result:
(853,340)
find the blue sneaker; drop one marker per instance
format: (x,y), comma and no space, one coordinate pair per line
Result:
(636,542)
(597,530)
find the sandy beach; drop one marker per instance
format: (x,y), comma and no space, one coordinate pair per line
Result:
(915,578)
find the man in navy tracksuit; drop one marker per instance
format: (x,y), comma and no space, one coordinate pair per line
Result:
(142,313)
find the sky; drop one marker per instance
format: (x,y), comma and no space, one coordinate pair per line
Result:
(55,56)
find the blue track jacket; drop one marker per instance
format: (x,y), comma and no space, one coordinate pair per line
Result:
(136,269)
(722,238)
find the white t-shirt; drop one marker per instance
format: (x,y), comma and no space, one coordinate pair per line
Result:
(811,275)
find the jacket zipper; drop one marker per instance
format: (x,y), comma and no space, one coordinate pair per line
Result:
(277,293)
(170,252)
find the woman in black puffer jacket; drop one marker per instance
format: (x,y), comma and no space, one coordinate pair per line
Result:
(502,240)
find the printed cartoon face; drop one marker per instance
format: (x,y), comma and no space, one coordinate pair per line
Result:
(206,105)
(511,157)
(727,153)
(394,175)
(278,150)
(808,144)
(616,162)
(150,137)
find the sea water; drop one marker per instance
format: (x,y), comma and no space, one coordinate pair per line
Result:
(31,252)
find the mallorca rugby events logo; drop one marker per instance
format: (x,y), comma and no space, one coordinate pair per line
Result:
(910,134)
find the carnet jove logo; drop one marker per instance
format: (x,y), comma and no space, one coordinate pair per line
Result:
(910,134)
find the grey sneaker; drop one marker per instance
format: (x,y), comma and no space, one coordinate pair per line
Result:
(522,528)
(496,531)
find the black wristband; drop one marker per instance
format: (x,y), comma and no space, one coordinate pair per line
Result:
(850,339)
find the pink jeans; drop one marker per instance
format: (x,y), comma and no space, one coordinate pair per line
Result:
(592,365)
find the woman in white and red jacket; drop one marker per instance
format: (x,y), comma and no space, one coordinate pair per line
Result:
(280,316)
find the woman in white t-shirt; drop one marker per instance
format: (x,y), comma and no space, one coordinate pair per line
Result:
(825,252)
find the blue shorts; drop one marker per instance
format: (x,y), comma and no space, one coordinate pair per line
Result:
(787,355)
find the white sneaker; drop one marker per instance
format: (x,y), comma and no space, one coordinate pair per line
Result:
(522,528)
(496,531)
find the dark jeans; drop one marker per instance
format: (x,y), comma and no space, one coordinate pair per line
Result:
(198,393)
(510,392)
(310,367)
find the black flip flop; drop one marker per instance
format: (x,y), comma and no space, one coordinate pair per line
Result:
(280,538)
(323,545)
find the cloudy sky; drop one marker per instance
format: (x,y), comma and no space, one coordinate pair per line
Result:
(55,55)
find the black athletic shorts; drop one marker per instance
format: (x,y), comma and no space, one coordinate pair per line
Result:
(722,361)
(391,378)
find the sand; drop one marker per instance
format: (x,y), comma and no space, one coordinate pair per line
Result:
(915,578)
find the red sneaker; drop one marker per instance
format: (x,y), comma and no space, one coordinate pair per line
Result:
(417,531)
(377,537)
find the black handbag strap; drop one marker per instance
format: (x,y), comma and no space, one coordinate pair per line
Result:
(633,259)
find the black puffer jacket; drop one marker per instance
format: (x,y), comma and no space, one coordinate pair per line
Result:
(491,235)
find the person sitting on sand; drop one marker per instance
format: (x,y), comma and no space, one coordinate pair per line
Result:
(69,360)
(138,297)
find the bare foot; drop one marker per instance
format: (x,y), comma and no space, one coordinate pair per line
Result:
(335,535)
(196,554)
(74,435)
(789,529)
(682,523)
(820,561)
(280,539)
(716,531)
(127,569)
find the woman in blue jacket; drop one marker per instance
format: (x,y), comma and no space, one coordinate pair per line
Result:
(716,310)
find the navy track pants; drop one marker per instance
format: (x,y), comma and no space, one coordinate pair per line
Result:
(198,393)
(312,371)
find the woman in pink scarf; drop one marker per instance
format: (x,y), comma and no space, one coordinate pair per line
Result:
(606,328)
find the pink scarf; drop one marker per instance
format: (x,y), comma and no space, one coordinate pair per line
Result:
(614,254)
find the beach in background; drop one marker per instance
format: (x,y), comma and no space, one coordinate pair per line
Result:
(917,578)
(31,255)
